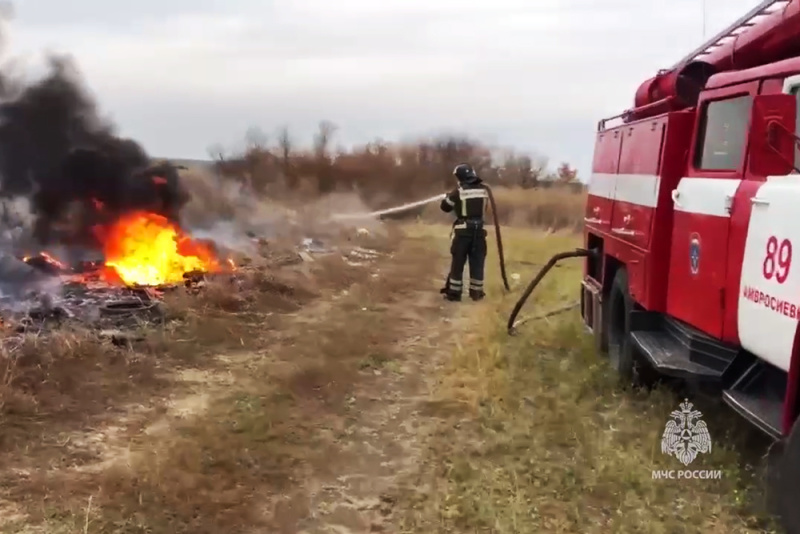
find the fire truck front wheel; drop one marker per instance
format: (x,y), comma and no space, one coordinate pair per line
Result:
(620,305)
(783,472)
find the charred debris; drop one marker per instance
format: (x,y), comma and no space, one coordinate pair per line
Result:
(90,227)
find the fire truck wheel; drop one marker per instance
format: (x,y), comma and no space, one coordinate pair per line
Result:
(644,376)
(620,305)
(783,472)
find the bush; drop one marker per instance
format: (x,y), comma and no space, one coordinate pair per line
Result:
(387,174)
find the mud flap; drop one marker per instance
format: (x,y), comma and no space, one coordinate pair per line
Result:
(592,314)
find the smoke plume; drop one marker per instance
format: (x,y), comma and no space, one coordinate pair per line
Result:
(57,152)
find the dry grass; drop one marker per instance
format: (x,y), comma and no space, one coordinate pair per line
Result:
(550,209)
(553,209)
(388,174)
(538,436)
(284,365)
(63,377)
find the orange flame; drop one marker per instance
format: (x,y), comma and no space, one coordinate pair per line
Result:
(146,249)
(52,260)
(46,257)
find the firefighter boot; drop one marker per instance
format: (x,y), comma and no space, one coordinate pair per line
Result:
(452,291)
(476,284)
(452,297)
(476,294)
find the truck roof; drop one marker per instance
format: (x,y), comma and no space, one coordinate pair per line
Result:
(766,34)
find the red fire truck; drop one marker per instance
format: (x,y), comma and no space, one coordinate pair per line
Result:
(691,232)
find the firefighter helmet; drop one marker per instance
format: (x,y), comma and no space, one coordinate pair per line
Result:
(464,173)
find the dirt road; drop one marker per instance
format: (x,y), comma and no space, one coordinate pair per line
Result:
(293,406)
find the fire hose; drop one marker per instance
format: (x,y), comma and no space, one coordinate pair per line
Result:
(512,320)
(499,238)
(396,209)
(437,198)
(577,253)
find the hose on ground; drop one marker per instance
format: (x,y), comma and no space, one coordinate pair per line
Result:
(577,253)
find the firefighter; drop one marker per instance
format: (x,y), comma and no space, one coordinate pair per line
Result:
(469,201)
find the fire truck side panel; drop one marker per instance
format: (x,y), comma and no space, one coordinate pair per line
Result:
(703,203)
(699,252)
(603,180)
(740,221)
(633,259)
(678,128)
(769,296)
(637,184)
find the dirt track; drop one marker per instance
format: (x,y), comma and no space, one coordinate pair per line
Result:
(309,428)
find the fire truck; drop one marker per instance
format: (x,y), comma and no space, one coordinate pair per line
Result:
(691,225)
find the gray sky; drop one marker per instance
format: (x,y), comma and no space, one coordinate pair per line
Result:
(181,75)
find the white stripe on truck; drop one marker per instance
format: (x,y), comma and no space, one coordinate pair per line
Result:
(704,196)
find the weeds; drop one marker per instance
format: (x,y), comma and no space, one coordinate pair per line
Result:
(304,183)
(538,436)
(283,365)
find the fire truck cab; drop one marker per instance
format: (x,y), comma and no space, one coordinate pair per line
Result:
(693,219)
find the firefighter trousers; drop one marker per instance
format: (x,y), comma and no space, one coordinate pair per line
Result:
(468,245)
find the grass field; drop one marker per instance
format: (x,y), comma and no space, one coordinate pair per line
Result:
(327,397)
(538,436)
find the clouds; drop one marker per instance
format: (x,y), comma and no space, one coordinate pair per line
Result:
(182,75)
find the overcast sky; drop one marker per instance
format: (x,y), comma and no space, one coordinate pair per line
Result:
(181,75)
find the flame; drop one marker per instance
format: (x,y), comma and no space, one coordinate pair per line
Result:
(51,260)
(143,248)
(47,258)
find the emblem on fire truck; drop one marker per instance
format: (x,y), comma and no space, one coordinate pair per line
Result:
(686,434)
(694,253)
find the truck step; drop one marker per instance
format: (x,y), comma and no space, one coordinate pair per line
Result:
(679,350)
(667,355)
(758,396)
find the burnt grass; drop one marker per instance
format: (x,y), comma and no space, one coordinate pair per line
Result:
(79,443)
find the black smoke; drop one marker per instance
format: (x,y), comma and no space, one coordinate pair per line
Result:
(57,151)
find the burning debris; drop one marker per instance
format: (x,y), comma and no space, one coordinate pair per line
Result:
(90,228)
(83,294)
(144,257)
(146,249)
(87,220)
(141,255)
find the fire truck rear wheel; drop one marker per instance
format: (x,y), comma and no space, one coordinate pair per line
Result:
(620,305)
(783,472)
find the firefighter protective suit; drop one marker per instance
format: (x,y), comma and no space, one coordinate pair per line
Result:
(468,245)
